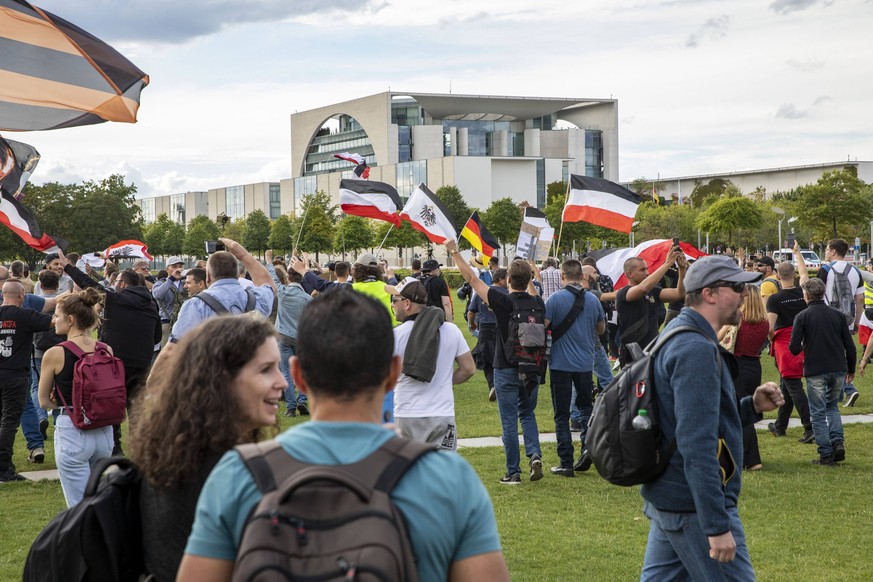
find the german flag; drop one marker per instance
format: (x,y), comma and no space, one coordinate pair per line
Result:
(482,240)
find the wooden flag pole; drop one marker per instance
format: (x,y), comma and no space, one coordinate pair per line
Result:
(302,224)
(384,239)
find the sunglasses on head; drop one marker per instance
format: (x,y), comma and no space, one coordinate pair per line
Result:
(735,287)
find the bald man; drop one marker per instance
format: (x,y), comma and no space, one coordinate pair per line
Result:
(17,325)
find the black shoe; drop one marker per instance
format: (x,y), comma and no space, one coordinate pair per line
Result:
(851,399)
(808,437)
(117,451)
(291,413)
(563,471)
(839,452)
(492,394)
(514,479)
(575,426)
(36,455)
(779,432)
(303,409)
(43,428)
(10,475)
(584,462)
(536,468)
(827,461)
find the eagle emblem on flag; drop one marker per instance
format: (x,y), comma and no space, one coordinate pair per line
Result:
(428,216)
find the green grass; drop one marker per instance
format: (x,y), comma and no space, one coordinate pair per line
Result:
(802,522)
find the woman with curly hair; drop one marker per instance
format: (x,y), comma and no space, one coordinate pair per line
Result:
(219,388)
(76,450)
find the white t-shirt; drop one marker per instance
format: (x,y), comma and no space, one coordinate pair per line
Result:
(852,274)
(414,399)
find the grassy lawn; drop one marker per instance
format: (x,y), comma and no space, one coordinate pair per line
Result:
(802,522)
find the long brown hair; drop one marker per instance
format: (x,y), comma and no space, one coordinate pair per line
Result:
(190,411)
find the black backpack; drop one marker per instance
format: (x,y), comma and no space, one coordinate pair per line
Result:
(327,522)
(622,455)
(98,540)
(525,343)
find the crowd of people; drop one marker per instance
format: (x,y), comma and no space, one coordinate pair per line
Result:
(356,346)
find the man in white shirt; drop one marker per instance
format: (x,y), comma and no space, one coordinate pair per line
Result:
(424,404)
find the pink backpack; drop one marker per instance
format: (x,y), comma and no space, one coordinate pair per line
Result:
(99,393)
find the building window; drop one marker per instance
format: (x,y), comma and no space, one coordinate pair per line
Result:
(303,186)
(409,176)
(275,201)
(177,208)
(594,153)
(479,135)
(234,202)
(565,172)
(347,136)
(541,183)
(147,206)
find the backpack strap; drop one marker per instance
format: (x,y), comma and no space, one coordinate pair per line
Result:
(270,465)
(250,299)
(212,302)
(578,306)
(76,350)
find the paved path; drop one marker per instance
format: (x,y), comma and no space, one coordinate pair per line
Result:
(548,437)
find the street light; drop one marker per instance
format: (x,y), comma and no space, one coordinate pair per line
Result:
(632,237)
(781,214)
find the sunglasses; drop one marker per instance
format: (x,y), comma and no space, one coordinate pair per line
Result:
(735,287)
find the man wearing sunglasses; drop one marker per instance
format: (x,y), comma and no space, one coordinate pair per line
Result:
(695,530)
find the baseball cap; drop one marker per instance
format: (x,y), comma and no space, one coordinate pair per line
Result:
(50,257)
(367,259)
(430,265)
(708,270)
(767,261)
(410,288)
(174,260)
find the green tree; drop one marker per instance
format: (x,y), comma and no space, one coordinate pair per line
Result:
(282,234)
(643,187)
(234,229)
(837,204)
(155,234)
(451,198)
(103,213)
(200,230)
(352,233)
(728,215)
(256,235)
(399,238)
(503,220)
(675,220)
(705,194)
(317,223)
(174,241)
(557,189)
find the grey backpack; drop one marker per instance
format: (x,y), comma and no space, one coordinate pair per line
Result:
(843,296)
(327,522)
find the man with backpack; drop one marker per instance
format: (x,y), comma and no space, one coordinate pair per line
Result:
(345,362)
(844,290)
(577,320)
(519,360)
(695,530)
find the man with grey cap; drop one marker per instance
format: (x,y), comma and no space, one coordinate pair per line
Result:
(695,530)
(170,293)
(367,277)
(437,290)
(429,346)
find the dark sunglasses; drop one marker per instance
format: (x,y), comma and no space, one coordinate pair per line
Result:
(735,287)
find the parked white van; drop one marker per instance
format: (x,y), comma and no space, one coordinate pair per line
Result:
(809,257)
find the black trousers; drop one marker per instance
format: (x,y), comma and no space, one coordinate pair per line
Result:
(13,391)
(795,397)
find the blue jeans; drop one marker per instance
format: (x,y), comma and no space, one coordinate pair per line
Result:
(36,366)
(679,550)
(848,390)
(602,367)
(824,392)
(563,385)
(514,405)
(76,451)
(30,424)
(291,398)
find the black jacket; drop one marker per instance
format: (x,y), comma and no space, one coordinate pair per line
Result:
(131,324)
(827,344)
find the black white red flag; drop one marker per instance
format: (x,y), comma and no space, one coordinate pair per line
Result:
(370,199)
(427,214)
(362,170)
(654,252)
(601,202)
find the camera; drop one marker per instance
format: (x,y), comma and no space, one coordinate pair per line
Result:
(213,246)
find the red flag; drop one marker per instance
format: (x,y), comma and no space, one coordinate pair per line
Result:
(654,252)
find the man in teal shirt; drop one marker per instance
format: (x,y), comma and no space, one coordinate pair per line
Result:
(345,363)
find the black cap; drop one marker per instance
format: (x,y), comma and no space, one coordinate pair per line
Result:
(430,265)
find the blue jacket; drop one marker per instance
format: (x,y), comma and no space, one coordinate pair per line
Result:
(292,300)
(696,407)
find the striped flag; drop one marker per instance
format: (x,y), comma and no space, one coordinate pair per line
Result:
(654,252)
(128,249)
(53,74)
(21,221)
(17,162)
(370,199)
(427,214)
(478,236)
(601,202)
(362,170)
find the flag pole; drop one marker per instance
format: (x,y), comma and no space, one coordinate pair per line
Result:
(384,239)
(561,231)
(302,224)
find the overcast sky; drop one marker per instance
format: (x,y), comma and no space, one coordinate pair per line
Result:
(703,86)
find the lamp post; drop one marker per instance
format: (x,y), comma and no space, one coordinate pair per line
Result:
(631,235)
(781,214)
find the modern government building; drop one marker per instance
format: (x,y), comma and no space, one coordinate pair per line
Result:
(489,146)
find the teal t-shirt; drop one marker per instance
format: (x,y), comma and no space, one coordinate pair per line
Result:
(446,507)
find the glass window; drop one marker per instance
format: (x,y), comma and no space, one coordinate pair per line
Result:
(594,153)
(303,186)
(409,176)
(234,200)
(147,206)
(177,208)
(541,183)
(275,201)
